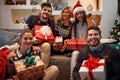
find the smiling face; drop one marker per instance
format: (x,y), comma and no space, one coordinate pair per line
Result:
(79,16)
(46,12)
(93,37)
(65,14)
(26,40)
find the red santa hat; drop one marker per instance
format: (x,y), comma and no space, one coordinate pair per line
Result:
(77,7)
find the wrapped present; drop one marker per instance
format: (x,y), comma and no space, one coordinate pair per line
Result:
(32,72)
(43,33)
(75,44)
(58,42)
(59,39)
(94,67)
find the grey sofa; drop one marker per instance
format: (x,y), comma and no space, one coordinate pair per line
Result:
(8,37)
(63,64)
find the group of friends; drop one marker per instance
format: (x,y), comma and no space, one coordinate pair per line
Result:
(79,29)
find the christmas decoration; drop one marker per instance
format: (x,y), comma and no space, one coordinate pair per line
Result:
(93,20)
(115,32)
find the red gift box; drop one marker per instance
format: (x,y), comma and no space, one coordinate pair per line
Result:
(75,44)
(32,72)
(43,33)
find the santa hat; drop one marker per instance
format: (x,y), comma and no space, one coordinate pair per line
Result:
(77,7)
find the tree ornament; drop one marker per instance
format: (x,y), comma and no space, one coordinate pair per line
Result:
(89,7)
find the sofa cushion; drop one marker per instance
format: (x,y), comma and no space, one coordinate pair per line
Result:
(8,38)
(63,64)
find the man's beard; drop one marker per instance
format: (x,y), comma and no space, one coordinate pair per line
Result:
(96,44)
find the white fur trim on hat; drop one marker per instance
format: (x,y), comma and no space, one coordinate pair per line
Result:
(78,9)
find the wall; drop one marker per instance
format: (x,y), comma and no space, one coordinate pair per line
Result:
(119,7)
(108,11)
(109,14)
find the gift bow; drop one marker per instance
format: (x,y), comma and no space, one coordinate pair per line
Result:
(92,63)
(30,60)
(45,30)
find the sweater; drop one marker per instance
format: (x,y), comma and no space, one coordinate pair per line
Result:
(112,61)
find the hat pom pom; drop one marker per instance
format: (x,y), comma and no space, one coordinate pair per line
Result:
(72,20)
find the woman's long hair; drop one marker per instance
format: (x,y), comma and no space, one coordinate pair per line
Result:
(62,20)
(84,19)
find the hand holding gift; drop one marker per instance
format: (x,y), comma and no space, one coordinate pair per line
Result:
(36,40)
(58,45)
(43,34)
(94,68)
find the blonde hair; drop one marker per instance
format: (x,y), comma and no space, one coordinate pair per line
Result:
(66,7)
(69,9)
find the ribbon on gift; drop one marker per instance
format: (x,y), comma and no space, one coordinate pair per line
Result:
(91,64)
(45,30)
(30,60)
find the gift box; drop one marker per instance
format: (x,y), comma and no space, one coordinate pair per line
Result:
(75,44)
(32,72)
(96,70)
(58,42)
(59,39)
(43,33)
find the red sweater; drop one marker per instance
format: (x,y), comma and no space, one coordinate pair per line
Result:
(3,62)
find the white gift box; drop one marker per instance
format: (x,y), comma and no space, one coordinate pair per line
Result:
(98,73)
(58,39)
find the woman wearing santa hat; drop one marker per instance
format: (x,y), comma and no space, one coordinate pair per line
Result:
(79,29)
(79,26)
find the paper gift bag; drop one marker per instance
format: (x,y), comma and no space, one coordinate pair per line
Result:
(32,72)
(75,44)
(97,73)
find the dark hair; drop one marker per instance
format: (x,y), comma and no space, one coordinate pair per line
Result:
(25,31)
(94,28)
(84,19)
(45,4)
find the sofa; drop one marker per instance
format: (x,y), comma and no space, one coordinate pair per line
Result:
(63,64)
(9,37)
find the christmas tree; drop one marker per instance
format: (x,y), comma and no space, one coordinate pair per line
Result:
(115,33)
